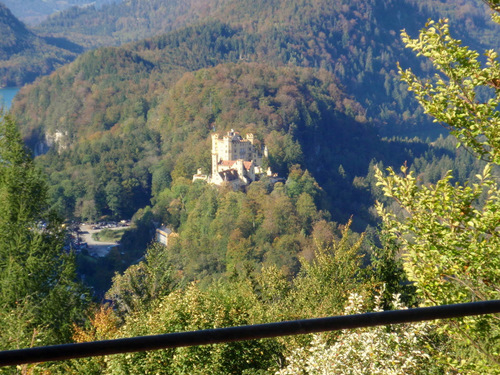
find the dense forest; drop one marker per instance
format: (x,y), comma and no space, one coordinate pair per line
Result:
(122,98)
(121,124)
(357,41)
(119,132)
(126,21)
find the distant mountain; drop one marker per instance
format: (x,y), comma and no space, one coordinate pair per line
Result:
(131,20)
(357,40)
(33,12)
(14,36)
(24,56)
(122,22)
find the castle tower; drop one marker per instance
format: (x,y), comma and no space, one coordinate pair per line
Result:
(215,154)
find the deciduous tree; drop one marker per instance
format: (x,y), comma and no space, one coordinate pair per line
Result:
(449,233)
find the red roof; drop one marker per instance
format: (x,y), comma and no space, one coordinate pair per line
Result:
(228,163)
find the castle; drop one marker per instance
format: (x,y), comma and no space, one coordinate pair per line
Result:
(235,160)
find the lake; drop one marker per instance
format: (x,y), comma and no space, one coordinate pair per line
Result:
(6,96)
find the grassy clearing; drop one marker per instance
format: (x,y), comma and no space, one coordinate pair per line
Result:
(109,235)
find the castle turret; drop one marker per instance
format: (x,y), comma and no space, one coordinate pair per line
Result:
(215,152)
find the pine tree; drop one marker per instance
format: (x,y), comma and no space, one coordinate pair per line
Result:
(39,298)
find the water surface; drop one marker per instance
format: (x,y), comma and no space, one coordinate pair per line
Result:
(6,96)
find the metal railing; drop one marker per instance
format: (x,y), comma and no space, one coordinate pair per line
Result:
(241,333)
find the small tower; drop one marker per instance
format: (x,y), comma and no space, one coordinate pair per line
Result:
(215,152)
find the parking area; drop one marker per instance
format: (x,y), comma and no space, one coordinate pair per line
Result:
(84,239)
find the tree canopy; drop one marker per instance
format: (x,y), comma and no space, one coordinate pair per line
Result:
(39,296)
(449,233)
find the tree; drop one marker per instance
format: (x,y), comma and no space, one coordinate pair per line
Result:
(142,283)
(450,234)
(336,270)
(453,96)
(219,305)
(151,304)
(114,198)
(398,349)
(39,298)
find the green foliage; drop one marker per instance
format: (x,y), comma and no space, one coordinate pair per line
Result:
(388,271)
(143,283)
(284,152)
(222,231)
(39,297)
(453,97)
(446,237)
(448,233)
(334,272)
(246,297)
(194,309)
(399,349)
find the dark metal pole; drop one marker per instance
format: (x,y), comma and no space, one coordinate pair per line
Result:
(250,332)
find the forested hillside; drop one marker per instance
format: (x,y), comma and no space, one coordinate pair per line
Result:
(357,40)
(119,117)
(24,56)
(136,19)
(121,130)
(288,108)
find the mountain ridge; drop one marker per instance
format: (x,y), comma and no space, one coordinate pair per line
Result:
(33,12)
(25,55)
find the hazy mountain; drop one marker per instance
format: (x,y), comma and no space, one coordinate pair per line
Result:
(131,20)
(33,12)
(25,55)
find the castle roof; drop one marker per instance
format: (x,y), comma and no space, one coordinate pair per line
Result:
(247,165)
(238,139)
(229,163)
(234,137)
(164,230)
